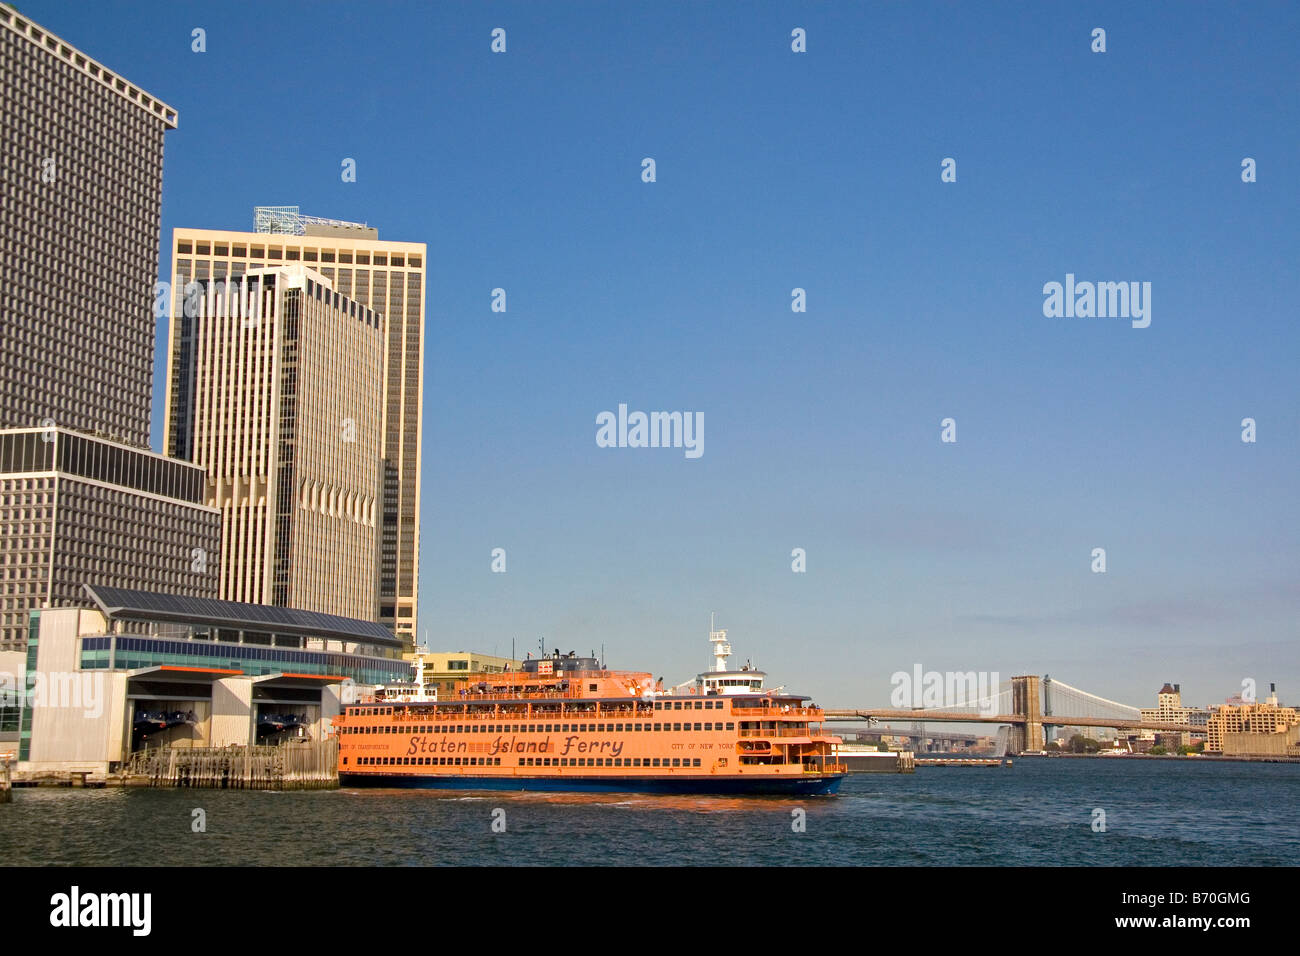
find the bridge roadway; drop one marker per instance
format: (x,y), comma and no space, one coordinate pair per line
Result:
(943,742)
(1051,720)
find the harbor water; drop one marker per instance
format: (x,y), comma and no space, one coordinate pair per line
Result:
(1040,812)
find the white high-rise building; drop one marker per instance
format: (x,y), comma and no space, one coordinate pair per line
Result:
(386,277)
(276,392)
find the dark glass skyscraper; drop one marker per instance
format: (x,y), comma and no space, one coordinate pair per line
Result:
(79,234)
(82,499)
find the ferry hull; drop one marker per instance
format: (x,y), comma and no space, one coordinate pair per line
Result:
(796,786)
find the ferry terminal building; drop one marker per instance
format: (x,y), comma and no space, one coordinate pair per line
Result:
(143,669)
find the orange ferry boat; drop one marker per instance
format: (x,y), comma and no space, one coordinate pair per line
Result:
(567,723)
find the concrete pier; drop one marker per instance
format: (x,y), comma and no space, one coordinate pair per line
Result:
(866,758)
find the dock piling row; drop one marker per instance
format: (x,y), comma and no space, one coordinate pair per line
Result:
(297,766)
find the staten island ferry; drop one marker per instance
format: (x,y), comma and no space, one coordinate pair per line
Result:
(564,722)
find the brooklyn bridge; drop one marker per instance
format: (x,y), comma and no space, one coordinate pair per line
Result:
(1027,705)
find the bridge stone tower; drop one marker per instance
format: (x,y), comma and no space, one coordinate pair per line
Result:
(1026,701)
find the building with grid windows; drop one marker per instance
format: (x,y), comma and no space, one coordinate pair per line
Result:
(79,237)
(1262,729)
(1169,709)
(439,671)
(276,394)
(77,508)
(386,277)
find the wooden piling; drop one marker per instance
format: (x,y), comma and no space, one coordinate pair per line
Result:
(294,765)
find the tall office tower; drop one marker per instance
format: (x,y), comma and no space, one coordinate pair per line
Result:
(76,508)
(79,234)
(276,393)
(388,277)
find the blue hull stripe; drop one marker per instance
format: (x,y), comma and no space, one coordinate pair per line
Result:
(797,786)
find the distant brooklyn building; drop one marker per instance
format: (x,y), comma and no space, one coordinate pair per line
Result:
(1169,709)
(276,394)
(76,508)
(386,277)
(1255,729)
(82,173)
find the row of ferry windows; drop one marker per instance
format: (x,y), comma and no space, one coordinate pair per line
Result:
(536,728)
(687,704)
(608,762)
(528,761)
(659,705)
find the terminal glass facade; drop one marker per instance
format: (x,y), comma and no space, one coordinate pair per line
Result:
(123,652)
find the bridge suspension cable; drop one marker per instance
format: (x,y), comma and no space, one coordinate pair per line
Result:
(1001,699)
(1082,697)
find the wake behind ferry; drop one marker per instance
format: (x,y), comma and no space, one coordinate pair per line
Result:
(567,723)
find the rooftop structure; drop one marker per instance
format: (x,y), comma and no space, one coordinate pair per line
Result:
(288,221)
(122,604)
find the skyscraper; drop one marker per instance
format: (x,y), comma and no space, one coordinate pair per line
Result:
(75,508)
(277,395)
(79,235)
(388,277)
(81,496)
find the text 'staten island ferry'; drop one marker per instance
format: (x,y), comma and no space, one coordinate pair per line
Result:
(567,723)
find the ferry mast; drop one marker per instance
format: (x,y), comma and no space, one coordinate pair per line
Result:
(721,649)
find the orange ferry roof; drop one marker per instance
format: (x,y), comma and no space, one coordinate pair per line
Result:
(583,684)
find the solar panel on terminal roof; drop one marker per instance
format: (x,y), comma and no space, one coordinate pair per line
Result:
(125,601)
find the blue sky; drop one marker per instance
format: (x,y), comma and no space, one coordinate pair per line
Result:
(820,170)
